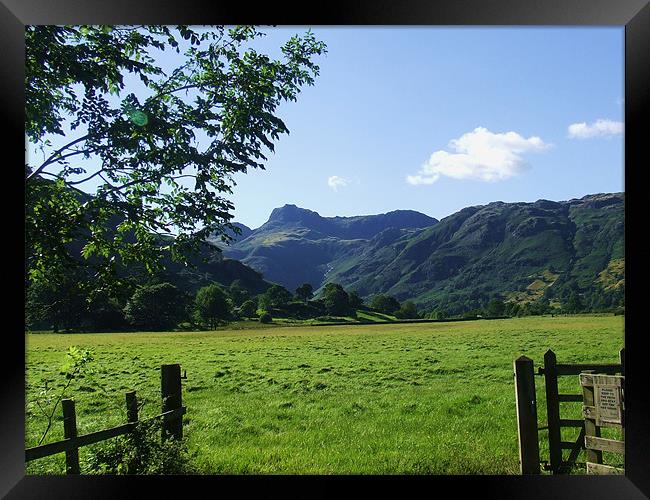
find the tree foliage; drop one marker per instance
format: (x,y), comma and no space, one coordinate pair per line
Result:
(154,147)
(407,310)
(57,304)
(275,297)
(574,303)
(238,292)
(248,309)
(212,305)
(156,307)
(496,307)
(385,304)
(356,301)
(336,300)
(305,292)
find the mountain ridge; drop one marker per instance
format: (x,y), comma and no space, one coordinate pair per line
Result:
(477,252)
(295,244)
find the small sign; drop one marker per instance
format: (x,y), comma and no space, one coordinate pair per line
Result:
(608,403)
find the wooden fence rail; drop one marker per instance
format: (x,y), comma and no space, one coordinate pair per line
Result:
(172,417)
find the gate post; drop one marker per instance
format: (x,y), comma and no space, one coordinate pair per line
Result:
(526,401)
(70,432)
(170,388)
(131,407)
(553,411)
(591,430)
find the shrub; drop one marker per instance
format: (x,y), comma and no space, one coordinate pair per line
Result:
(140,452)
(266,318)
(301,310)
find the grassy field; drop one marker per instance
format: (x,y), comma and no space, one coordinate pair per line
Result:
(432,398)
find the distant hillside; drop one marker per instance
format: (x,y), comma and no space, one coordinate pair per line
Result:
(215,268)
(244,232)
(516,251)
(205,267)
(296,245)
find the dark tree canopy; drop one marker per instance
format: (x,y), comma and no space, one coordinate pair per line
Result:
(407,310)
(212,305)
(238,292)
(276,296)
(385,304)
(56,304)
(356,301)
(248,309)
(154,148)
(496,307)
(574,303)
(69,302)
(336,300)
(305,292)
(156,307)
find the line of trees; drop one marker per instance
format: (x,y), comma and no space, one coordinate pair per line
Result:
(572,303)
(74,305)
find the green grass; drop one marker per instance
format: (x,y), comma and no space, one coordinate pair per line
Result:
(432,398)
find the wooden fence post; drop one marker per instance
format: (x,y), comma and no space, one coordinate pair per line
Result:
(553,411)
(526,401)
(591,430)
(170,385)
(131,407)
(621,356)
(70,431)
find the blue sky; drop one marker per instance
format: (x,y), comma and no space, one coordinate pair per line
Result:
(388,98)
(436,119)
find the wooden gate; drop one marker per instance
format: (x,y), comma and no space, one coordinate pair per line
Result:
(603,406)
(527,412)
(551,371)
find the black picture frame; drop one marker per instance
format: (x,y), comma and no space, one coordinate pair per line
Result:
(633,14)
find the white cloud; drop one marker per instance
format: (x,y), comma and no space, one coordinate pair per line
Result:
(479,155)
(335,182)
(600,128)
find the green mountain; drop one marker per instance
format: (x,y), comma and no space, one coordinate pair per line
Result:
(520,252)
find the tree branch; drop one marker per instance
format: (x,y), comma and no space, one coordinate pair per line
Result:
(73,183)
(55,155)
